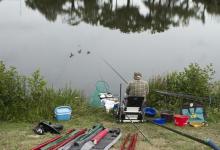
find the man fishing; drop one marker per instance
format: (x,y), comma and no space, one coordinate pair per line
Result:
(138,87)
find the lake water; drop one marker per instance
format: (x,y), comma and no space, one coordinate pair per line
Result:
(151,36)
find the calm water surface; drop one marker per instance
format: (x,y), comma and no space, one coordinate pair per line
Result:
(150,36)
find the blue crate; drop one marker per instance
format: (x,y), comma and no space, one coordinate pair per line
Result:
(63,113)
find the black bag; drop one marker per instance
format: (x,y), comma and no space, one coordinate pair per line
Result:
(43,127)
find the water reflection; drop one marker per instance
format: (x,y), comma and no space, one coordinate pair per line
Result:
(127,15)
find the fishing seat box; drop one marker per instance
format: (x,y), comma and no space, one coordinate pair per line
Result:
(63,113)
(132,110)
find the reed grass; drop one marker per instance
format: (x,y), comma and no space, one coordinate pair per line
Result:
(28,98)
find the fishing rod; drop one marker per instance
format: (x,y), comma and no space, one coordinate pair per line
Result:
(180,95)
(113,69)
(207,142)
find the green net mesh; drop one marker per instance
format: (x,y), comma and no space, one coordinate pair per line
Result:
(101,87)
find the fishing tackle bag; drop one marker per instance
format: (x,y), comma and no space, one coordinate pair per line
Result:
(195,111)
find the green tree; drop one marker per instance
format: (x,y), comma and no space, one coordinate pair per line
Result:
(196,80)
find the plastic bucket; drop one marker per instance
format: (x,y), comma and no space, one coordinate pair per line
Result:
(63,113)
(181,120)
(150,111)
(168,115)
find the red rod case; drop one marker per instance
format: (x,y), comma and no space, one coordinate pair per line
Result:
(51,140)
(132,139)
(125,142)
(96,139)
(46,142)
(133,142)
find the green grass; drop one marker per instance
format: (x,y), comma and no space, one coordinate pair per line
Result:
(19,136)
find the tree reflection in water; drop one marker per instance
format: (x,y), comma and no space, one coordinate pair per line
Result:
(128,15)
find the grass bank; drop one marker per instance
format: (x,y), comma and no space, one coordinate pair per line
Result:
(19,136)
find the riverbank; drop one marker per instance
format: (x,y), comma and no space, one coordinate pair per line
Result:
(27,100)
(19,136)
